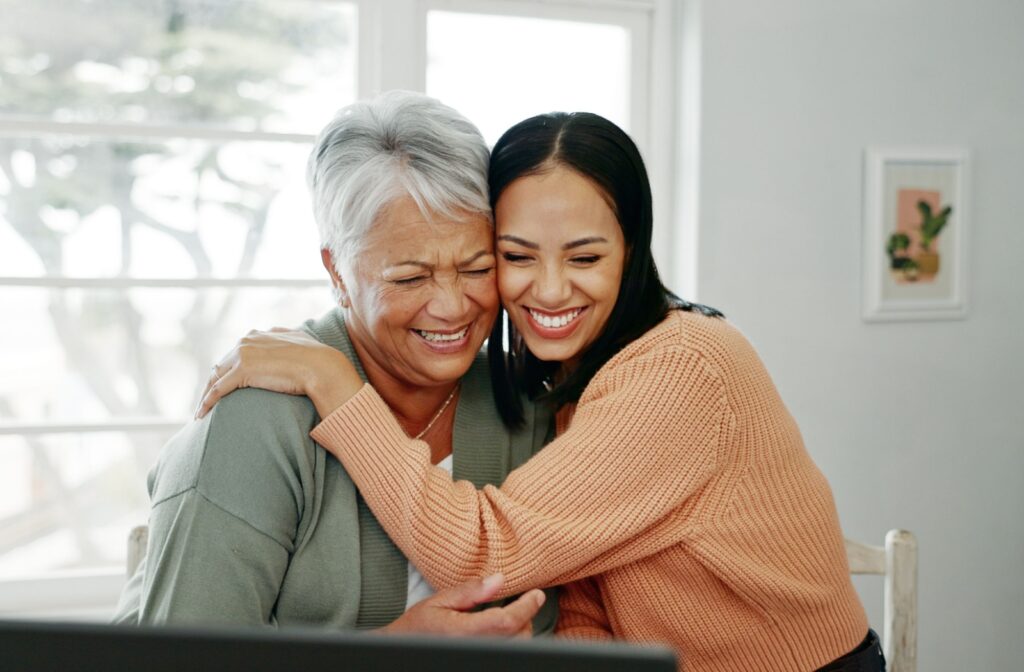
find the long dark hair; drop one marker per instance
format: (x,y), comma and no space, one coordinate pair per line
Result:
(603,153)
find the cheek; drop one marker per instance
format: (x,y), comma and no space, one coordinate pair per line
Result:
(512,282)
(483,292)
(601,286)
(611,279)
(612,287)
(395,311)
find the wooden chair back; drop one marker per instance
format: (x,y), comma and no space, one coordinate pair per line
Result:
(137,540)
(897,562)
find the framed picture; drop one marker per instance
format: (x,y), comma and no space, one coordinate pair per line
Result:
(915,234)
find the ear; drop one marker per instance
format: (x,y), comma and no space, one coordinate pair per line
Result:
(339,285)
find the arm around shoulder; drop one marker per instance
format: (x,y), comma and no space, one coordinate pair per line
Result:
(645,437)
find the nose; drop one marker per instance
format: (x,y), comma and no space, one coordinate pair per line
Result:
(552,288)
(449,301)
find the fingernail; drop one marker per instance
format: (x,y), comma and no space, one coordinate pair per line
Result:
(493,581)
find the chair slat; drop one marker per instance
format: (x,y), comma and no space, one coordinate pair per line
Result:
(864,558)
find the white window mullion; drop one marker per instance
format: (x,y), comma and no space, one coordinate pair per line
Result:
(128,425)
(13,126)
(684,182)
(392,46)
(661,120)
(87,596)
(122,282)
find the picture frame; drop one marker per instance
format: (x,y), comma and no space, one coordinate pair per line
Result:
(916,220)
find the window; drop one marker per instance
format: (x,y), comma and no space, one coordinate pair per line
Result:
(153,209)
(570,65)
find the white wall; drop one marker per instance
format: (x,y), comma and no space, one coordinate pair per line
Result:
(917,425)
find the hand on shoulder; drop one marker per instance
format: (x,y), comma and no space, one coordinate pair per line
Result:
(289,361)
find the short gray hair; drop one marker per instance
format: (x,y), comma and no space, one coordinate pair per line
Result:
(399,143)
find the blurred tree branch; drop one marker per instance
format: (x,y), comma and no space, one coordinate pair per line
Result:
(206,62)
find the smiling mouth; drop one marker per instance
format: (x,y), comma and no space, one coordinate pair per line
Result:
(556,321)
(443,337)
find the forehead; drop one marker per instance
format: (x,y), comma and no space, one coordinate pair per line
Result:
(558,203)
(402,232)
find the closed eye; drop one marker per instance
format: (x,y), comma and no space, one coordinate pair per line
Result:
(479,272)
(410,281)
(513,257)
(586,260)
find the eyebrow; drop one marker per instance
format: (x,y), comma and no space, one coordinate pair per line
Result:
(429,267)
(519,241)
(584,241)
(412,262)
(481,253)
(568,246)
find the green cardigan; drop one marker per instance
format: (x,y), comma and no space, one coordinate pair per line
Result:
(252,522)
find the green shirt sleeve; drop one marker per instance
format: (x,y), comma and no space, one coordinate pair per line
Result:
(206,565)
(228,495)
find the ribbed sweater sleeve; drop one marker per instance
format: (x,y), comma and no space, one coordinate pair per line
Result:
(644,439)
(581,612)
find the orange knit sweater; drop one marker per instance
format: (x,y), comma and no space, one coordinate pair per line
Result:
(679,501)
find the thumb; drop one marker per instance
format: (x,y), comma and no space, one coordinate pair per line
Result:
(469,594)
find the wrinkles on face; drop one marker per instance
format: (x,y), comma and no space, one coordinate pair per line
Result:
(422,294)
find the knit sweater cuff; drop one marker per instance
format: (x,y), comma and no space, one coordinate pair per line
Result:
(382,445)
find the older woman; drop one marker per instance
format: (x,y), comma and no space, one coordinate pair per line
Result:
(253,522)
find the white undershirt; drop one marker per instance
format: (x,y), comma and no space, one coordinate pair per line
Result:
(419,589)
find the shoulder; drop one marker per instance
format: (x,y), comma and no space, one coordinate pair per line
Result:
(252,420)
(684,349)
(714,340)
(251,455)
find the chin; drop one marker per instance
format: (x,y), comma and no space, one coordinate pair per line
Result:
(552,353)
(448,372)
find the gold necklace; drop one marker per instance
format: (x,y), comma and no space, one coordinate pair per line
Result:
(451,395)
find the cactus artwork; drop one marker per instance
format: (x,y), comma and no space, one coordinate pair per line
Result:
(920,220)
(931,224)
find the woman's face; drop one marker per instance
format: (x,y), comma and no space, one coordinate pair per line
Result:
(421,295)
(560,259)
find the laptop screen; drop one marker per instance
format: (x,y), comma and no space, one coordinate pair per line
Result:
(36,646)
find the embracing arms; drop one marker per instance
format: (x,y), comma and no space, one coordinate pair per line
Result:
(645,437)
(605,493)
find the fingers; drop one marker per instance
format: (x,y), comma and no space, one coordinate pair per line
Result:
(232,361)
(438,615)
(526,632)
(522,611)
(214,377)
(512,620)
(470,593)
(219,388)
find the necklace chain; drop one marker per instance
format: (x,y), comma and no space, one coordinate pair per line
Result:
(440,412)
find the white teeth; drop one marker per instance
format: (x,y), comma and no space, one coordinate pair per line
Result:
(555,322)
(435,337)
